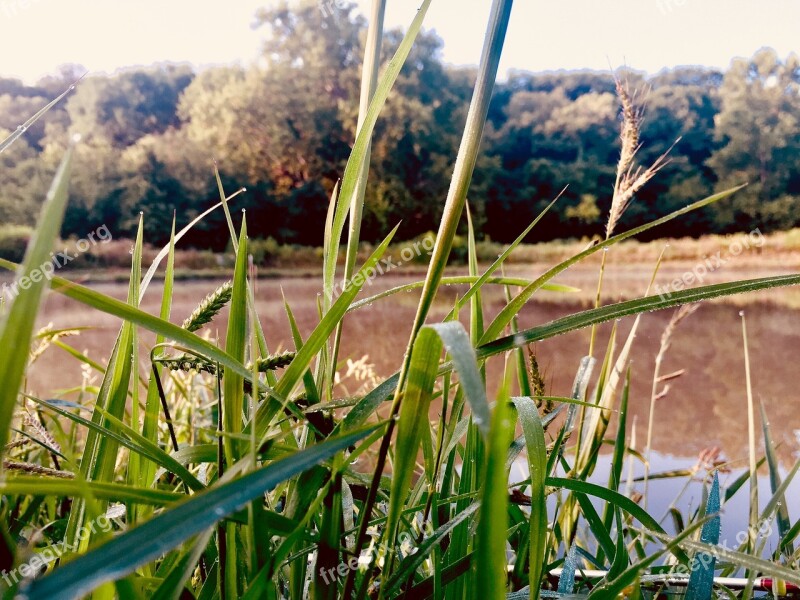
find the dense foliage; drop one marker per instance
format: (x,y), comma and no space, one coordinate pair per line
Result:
(284,126)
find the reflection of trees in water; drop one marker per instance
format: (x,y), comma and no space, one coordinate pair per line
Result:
(705,407)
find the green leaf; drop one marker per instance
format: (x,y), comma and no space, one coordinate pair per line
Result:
(536,450)
(490,552)
(413,422)
(147,542)
(586,318)
(701,580)
(360,152)
(784,522)
(458,346)
(235,346)
(17,326)
(30,485)
(511,309)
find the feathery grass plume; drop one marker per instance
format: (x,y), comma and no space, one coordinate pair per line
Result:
(630,177)
(25,467)
(38,431)
(666,339)
(209,307)
(46,336)
(631,125)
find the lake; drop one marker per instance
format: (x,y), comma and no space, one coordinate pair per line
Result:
(706,407)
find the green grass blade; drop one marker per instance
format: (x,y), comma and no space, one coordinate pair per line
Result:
(413,423)
(317,339)
(617,499)
(360,152)
(152,408)
(174,584)
(491,535)
(145,543)
(536,450)
(511,309)
(410,564)
(124,311)
(458,346)
(470,280)
(32,485)
(114,429)
(783,520)
(164,253)
(701,580)
(17,326)
(603,314)
(235,346)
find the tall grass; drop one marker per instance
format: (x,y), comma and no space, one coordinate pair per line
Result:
(228,472)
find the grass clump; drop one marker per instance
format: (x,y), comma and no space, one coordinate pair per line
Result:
(232,471)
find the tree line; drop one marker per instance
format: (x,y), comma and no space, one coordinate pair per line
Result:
(283,128)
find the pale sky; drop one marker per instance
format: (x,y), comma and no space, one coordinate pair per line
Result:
(38,35)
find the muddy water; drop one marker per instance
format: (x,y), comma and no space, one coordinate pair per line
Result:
(705,407)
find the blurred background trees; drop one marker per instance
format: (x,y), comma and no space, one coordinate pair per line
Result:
(284,126)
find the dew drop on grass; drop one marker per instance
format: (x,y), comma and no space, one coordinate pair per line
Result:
(741,313)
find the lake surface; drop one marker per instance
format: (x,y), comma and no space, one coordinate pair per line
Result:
(706,407)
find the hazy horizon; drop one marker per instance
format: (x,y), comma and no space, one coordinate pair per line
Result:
(580,34)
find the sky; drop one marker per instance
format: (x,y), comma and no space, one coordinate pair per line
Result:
(36,36)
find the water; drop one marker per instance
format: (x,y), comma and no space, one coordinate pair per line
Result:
(705,407)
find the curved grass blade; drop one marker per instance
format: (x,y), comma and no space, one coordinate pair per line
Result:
(235,346)
(360,151)
(512,308)
(491,535)
(145,543)
(124,311)
(30,485)
(458,346)
(413,423)
(536,450)
(125,436)
(470,280)
(17,326)
(623,309)
(617,499)
(148,277)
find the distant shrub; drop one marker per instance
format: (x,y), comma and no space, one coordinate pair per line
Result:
(14,240)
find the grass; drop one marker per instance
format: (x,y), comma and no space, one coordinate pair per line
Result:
(227,471)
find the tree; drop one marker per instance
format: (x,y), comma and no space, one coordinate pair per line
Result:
(758,128)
